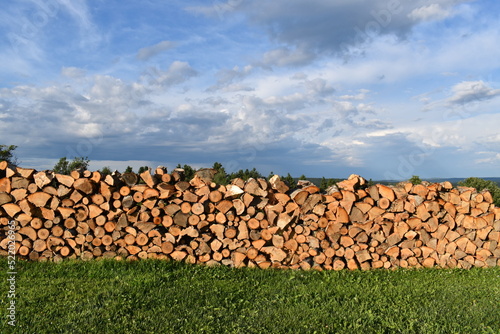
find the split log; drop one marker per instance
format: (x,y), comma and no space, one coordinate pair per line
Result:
(253,187)
(130,179)
(352,227)
(43,178)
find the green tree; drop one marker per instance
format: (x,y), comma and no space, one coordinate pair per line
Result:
(142,169)
(289,180)
(254,174)
(246,174)
(106,170)
(63,166)
(239,174)
(188,172)
(415,179)
(221,177)
(370,183)
(79,163)
(7,154)
(323,185)
(302,177)
(481,184)
(327,183)
(217,166)
(129,170)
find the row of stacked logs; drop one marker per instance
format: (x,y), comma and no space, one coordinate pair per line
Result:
(257,223)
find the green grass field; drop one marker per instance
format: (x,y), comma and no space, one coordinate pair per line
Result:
(168,297)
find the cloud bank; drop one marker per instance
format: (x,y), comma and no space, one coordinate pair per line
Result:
(322,88)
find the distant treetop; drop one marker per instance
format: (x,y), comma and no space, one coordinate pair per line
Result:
(63,166)
(7,154)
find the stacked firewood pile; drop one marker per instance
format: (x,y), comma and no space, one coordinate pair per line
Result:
(257,223)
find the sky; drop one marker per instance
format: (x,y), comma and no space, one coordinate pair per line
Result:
(386,89)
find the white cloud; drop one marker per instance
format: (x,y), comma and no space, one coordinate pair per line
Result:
(237,87)
(331,27)
(178,72)
(73,72)
(464,99)
(292,100)
(469,136)
(357,97)
(216,9)
(471,91)
(79,11)
(226,78)
(286,57)
(490,158)
(115,92)
(90,130)
(151,51)
(89,32)
(319,86)
(430,12)
(295,101)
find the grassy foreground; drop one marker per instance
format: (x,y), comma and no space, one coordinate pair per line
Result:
(165,297)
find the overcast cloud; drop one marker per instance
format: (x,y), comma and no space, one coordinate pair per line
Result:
(385,88)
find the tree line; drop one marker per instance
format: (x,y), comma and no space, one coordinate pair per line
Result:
(65,166)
